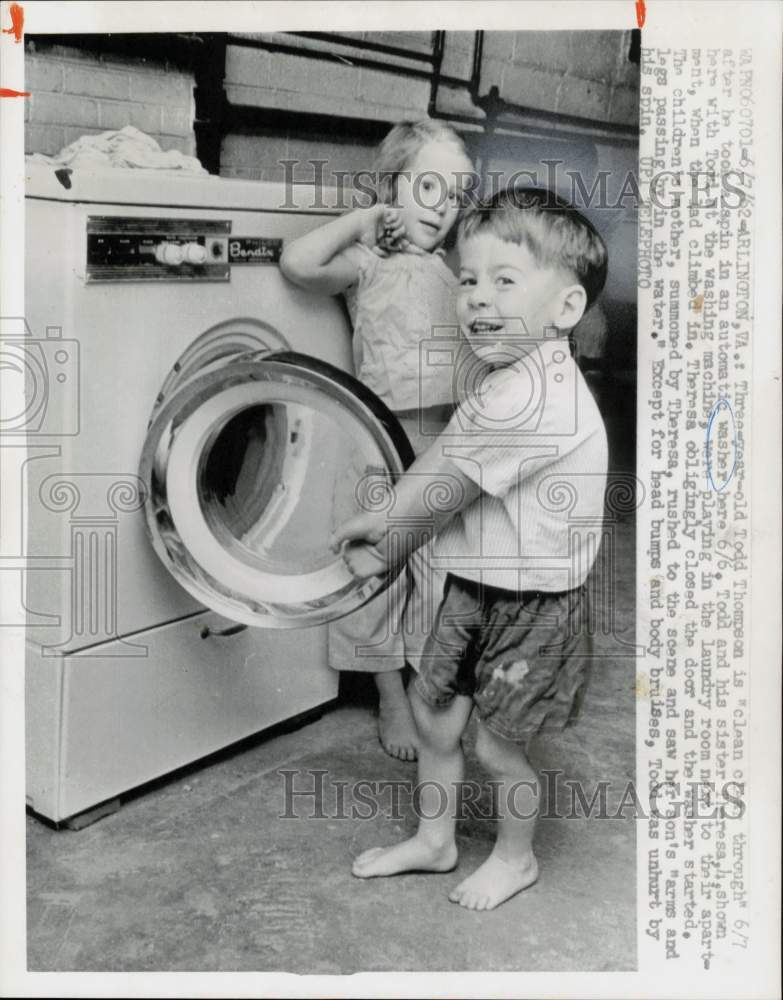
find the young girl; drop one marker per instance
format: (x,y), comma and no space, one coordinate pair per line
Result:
(387,260)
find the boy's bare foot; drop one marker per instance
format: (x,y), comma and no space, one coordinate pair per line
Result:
(413,855)
(396,726)
(493,883)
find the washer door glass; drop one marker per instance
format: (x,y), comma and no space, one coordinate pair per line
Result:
(249,466)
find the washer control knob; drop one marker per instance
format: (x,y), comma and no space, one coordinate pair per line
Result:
(168,253)
(195,253)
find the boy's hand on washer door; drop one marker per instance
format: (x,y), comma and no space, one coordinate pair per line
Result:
(364,561)
(357,538)
(369,527)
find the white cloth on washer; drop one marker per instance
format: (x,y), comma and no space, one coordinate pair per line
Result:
(125,147)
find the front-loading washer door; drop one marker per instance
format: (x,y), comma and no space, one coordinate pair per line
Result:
(249,466)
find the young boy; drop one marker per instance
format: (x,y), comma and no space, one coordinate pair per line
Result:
(523,466)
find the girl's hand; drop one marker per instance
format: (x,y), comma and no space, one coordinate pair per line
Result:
(392,236)
(369,223)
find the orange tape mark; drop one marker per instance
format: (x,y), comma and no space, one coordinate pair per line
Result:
(641,13)
(13,93)
(17,23)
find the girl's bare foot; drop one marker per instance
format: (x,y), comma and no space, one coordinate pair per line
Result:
(413,855)
(494,882)
(396,726)
(397,730)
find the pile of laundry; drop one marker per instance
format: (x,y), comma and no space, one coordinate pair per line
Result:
(125,147)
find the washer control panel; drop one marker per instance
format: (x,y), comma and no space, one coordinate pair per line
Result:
(121,248)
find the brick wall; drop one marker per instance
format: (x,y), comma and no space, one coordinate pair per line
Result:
(74,93)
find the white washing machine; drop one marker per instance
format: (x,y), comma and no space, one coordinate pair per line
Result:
(169,408)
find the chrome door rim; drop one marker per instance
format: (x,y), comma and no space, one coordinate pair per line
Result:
(169,468)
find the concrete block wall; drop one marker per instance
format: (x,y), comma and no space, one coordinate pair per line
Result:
(75,93)
(293,82)
(289,81)
(302,83)
(259,157)
(562,72)
(567,72)
(585,74)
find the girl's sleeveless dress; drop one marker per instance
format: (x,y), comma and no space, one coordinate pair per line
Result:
(405,331)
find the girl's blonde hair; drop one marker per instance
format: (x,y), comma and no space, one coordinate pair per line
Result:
(398,150)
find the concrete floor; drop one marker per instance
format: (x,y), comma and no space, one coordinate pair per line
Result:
(199,872)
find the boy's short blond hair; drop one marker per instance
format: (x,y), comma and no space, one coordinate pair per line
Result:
(551,229)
